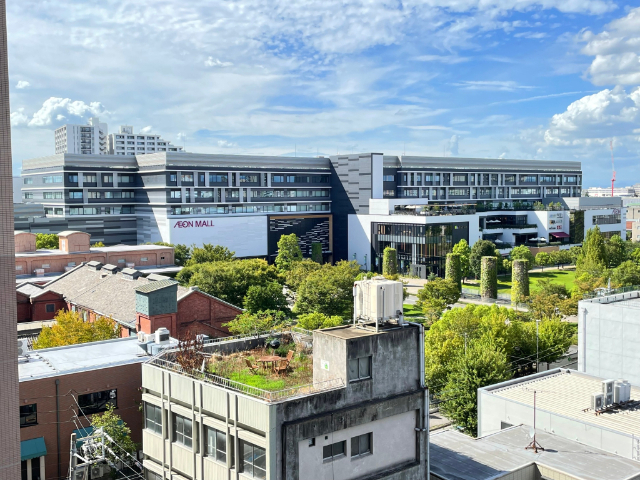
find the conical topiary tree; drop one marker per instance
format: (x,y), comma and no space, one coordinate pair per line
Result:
(519,280)
(453,270)
(390,261)
(488,278)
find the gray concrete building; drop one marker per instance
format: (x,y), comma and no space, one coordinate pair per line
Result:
(363,416)
(609,336)
(9,396)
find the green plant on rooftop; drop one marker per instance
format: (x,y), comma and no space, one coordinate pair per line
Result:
(209,253)
(248,323)
(47,241)
(316,320)
(97,245)
(289,252)
(190,353)
(266,297)
(71,329)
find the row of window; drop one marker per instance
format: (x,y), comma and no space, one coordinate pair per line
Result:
(222,209)
(288,193)
(86,178)
(483,178)
(100,210)
(111,194)
(139,137)
(606,219)
(360,445)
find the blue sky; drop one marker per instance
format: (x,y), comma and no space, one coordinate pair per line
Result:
(547,79)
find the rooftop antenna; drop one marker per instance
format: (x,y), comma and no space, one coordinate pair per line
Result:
(613,167)
(534,445)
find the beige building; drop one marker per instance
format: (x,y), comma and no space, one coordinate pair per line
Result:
(633,219)
(363,414)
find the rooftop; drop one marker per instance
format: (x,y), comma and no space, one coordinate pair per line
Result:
(568,393)
(50,362)
(456,456)
(113,249)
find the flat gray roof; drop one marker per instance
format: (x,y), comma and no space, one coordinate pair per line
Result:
(113,249)
(480,164)
(349,331)
(51,362)
(456,456)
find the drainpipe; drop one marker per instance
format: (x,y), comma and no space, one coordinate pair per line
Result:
(58,424)
(424,424)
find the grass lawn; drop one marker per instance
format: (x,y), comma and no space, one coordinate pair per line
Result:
(412,310)
(563,277)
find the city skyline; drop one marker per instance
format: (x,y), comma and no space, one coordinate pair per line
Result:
(546,80)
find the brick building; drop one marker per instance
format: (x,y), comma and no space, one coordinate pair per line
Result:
(58,385)
(75,248)
(137,303)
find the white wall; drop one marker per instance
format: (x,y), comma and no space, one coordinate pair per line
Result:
(246,235)
(620,228)
(394,442)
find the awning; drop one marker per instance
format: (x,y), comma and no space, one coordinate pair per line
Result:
(559,234)
(81,433)
(33,448)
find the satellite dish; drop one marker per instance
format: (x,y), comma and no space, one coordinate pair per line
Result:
(532,432)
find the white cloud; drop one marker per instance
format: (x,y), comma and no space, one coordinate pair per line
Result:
(22,84)
(596,118)
(60,118)
(211,62)
(507,86)
(446,59)
(453,145)
(616,50)
(51,106)
(18,118)
(146,129)
(226,144)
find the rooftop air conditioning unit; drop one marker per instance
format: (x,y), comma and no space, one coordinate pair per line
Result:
(608,399)
(162,336)
(142,337)
(607,386)
(23,347)
(597,401)
(622,391)
(378,298)
(131,265)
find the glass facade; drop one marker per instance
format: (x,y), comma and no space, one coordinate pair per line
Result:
(425,245)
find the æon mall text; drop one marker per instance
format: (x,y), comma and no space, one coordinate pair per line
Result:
(192,223)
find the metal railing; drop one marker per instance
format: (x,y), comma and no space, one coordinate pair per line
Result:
(267,395)
(254,335)
(607,292)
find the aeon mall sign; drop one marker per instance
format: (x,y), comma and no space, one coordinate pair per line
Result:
(193,224)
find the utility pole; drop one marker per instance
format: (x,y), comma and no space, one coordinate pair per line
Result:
(534,445)
(537,348)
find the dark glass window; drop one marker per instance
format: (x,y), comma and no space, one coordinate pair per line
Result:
(359,368)
(50,308)
(335,450)
(97,401)
(361,445)
(28,415)
(182,430)
(153,418)
(215,444)
(254,460)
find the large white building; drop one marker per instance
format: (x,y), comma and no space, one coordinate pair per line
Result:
(606,192)
(125,142)
(89,139)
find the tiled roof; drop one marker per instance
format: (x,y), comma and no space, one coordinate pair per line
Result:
(153,286)
(29,289)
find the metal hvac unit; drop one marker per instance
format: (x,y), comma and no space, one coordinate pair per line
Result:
(607,390)
(378,299)
(608,399)
(621,391)
(162,336)
(597,401)
(23,347)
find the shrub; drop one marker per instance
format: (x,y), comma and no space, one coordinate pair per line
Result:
(316,320)
(488,278)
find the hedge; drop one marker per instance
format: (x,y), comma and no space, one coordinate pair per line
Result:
(519,281)
(453,269)
(488,278)
(390,261)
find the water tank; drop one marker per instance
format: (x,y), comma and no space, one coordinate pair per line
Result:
(378,298)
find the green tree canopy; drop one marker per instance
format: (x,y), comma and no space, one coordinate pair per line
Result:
(181,253)
(328,290)
(247,322)
(118,430)
(299,272)
(71,329)
(625,274)
(522,252)
(47,241)
(209,253)
(229,281)
(594,252)
(436,296)
(462,248)
(316,320)
(543,259)
(616,251)
(550,299)
(266,297)
(482,248)
(289,252)
(97,245)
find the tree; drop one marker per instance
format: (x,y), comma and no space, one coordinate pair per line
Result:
(436,296)
(519,281)
(543,259)
(550,300)
(117,429)
(482,248)
(616,251)
(97,245)
(266,297)
(488,278)
(390,262)
(452,269)
(315,321)
(289,252)
(70,329)
(522,252)
(254,323)
(483,364)
(316,252)
(625,274)
(299,272)
(594,251)
(181,253)
(229,281)
(328,290)
(47,241)
(574,254)
(209,253)
(463,250)
(190,354)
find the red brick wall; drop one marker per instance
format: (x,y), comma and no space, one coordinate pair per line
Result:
(39,306)
(24,307)
(127,379)
(151,324)
(200,313)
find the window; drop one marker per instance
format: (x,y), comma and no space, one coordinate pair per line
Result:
(186,178)
(98,401)
(46,265)
(460,192)
(52,179)
(182,430)
(388,178)
(528,179)
(547,179)
(335,450)
(389,193)
(460,178)
(128,209)
(27,181)
(50,308)
(409,192)
(233,194)
(176,193)
(83,211)
(52,195)
(28,415)
(215,444)
(510,179)
(359,368)
(126,178)
(201,178)
(144,259)
(173,177)
(153,418)
(73,178)
(571,179)
(128,194)
(361,445)
(254,460)
(606,219)
(277,179)
(244,178)
(214,178)
(107,179)
(140,143)
(75,194)
(204,193)
(93,194)
(525,191)
(59,211)
(89,178)
(28,195)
